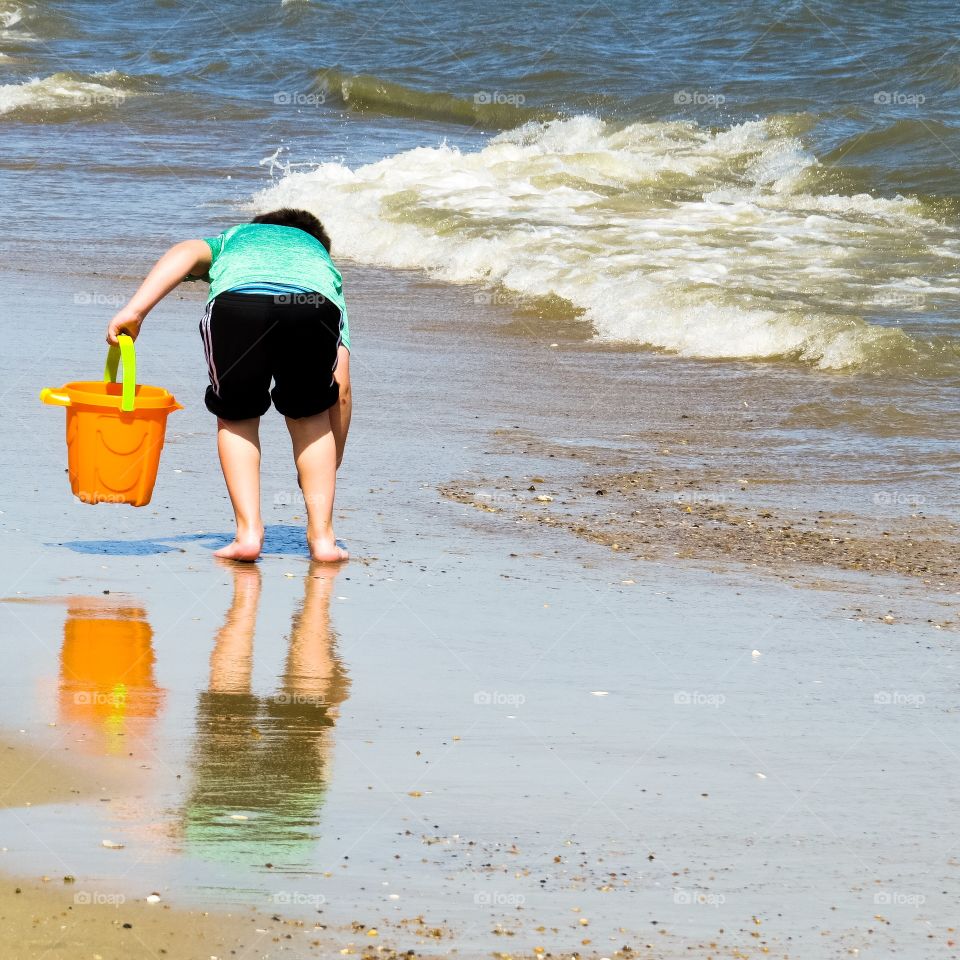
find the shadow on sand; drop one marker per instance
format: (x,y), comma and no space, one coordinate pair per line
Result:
(279,539)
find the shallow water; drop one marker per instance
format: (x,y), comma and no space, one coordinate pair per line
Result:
(763,182)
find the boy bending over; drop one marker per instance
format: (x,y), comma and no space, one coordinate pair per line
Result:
(275,313)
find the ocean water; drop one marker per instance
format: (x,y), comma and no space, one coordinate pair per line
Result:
(754,181)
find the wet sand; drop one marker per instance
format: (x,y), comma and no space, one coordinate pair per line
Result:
(665,514)
(56,917)
(480,732)
(66,916)
(30,777)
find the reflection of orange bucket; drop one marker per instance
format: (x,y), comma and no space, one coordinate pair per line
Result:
(114,432)
(106,668)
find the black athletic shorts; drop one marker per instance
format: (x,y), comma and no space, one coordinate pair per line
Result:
(251,339)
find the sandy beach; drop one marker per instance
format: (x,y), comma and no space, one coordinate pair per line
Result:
(53,916)
(646,647)
(487,732)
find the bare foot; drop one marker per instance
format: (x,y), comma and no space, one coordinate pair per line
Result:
(327,551)
(245,549)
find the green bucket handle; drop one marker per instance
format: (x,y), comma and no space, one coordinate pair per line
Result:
(124,353)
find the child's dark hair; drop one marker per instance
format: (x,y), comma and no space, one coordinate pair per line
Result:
(301,219)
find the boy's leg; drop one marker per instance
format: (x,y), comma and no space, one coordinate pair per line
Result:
(235,330)
(238,443)
(312,668)
(231,662)
(315,453)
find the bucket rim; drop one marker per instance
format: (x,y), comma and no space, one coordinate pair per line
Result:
(92,393)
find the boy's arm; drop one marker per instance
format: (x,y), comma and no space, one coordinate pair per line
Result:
(341,411)
(189,257)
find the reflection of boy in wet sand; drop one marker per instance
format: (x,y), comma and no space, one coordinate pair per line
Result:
(260,762)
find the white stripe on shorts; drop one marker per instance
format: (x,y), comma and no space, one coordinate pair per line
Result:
(207,334)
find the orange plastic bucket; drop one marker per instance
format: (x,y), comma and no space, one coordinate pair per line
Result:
(115,431)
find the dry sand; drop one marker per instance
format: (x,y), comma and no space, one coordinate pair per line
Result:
(46,920)
(54,917)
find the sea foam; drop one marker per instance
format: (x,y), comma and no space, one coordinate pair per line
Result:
(712,244)
(61,91)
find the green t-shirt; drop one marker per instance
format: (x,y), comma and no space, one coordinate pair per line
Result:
(268,253)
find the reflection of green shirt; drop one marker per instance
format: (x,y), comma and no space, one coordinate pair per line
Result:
(274,776)
(263,758)
(268,253)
